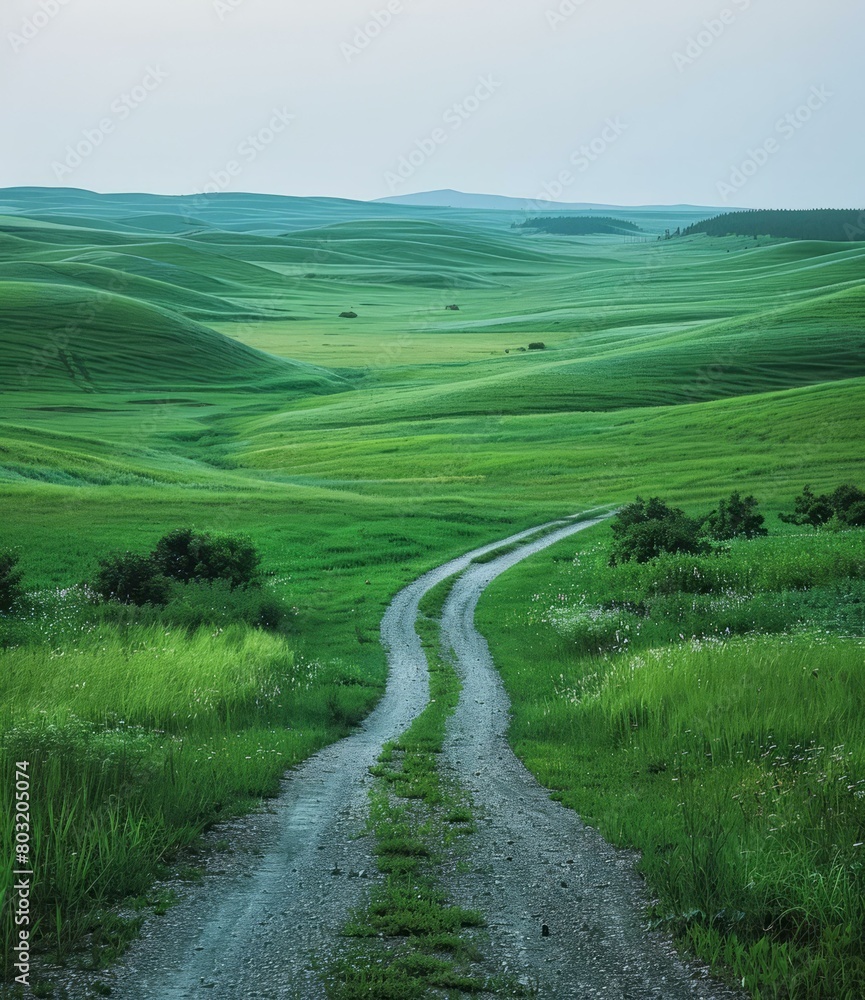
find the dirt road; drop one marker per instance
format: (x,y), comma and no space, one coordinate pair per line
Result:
(258,929)
(534,864)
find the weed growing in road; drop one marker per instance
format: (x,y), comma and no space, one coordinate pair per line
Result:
(414,940)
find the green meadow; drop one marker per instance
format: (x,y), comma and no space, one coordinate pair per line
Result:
(169,362)
(707,710)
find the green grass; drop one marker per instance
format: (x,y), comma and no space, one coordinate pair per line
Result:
(415,943)
(61,337)
(708,711)
(154,676)
(175,297)
(799,345)
(207,381)
(142,737)
(558,463)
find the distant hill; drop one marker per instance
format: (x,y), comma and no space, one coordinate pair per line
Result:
(460,199)
(59,337)
(579,225)
(178,214)
(827,224)
(121,215)
(655,219)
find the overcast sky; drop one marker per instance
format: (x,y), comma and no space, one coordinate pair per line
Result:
(618,101)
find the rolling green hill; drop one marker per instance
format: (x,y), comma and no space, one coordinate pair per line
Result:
(799,345)
(169,295)
(60,338)
(170,363)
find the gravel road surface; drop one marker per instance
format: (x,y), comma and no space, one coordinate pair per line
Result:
(257,930)
(535,865)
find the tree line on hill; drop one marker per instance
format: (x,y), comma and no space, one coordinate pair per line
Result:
(828,224)
(579,225)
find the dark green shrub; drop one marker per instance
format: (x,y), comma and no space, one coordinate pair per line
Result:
(131,578)
(809,509)
(10,581)
(188,555)
(854,515)
(846,503)
(736,517)
(537,346)
(644,529)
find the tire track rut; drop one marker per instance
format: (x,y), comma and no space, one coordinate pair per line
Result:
(258,931)
(534,863)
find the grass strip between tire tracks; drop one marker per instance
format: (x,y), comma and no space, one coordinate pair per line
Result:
(411,938)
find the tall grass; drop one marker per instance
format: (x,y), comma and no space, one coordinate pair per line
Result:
(156,677)
(798,560)
(734,763)
(814,580)
(750,802)
(139,738)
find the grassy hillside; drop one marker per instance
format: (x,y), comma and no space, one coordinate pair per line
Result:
(795,346)
(707,711)
(169,294)
(182,362)
(67,339)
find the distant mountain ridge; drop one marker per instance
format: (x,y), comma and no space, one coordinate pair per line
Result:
(275,215)
(448,198)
